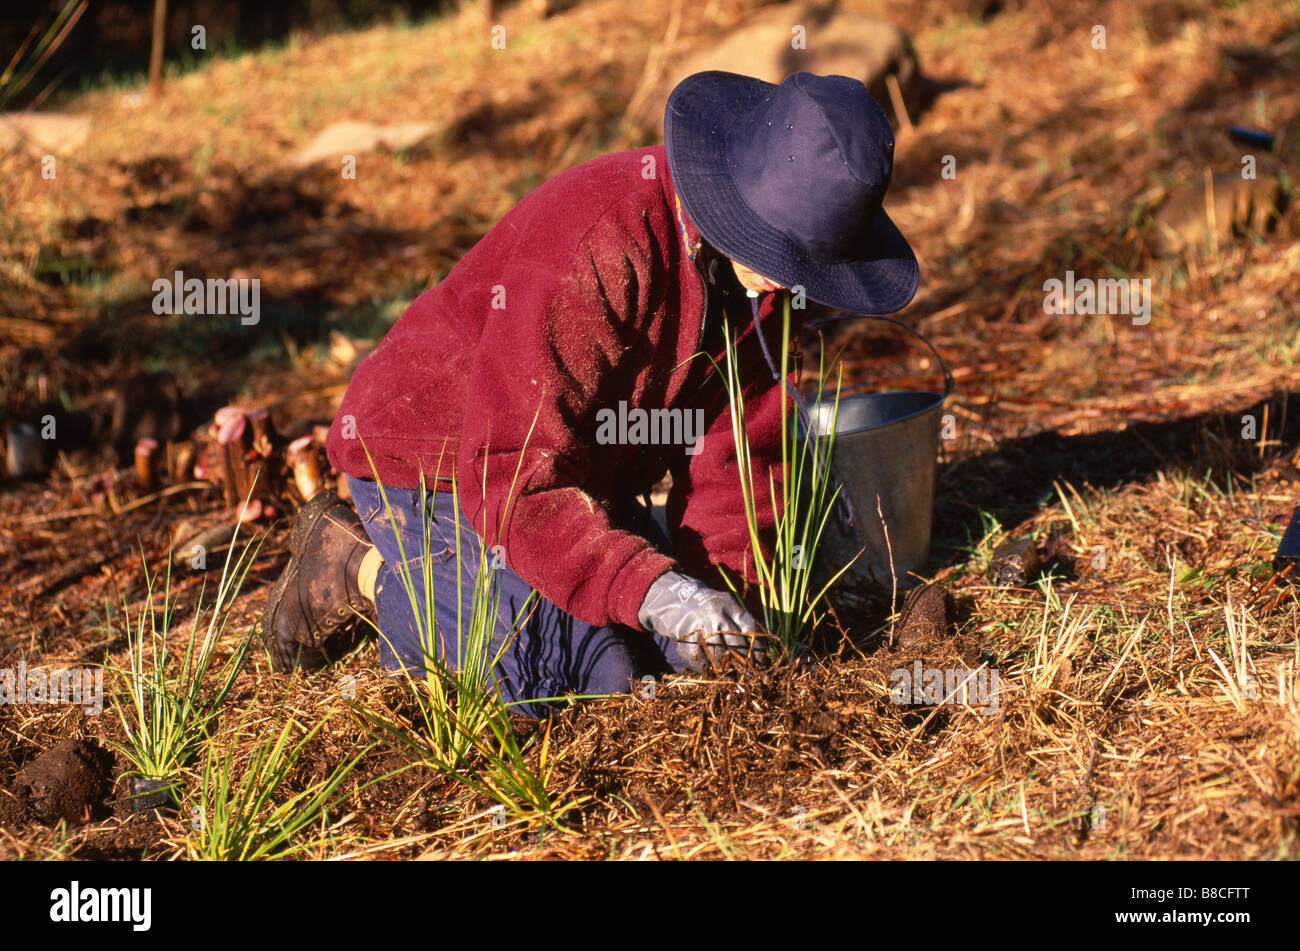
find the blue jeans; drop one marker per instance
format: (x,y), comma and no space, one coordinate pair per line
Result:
(552,653)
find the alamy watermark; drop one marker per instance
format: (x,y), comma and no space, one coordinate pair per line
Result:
(656,427)
(1131,297)
(133,906)
(212,297)
(932,686)
(81,686)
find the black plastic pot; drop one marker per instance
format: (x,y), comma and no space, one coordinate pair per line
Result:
(150,793)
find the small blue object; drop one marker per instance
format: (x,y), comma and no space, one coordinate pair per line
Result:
(1287,558)
(1257,138)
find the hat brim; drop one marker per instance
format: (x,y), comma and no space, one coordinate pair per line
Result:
(880,278)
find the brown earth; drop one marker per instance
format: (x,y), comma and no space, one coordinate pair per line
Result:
(67,781)
(1118,448)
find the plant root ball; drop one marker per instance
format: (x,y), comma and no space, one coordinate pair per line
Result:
(68,781)
(927,616)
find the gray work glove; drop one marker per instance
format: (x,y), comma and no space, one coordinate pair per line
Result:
(709,626)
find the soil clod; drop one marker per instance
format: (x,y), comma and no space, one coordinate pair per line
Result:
(927,616)
(68,781)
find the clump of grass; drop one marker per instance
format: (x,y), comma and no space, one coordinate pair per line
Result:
(455,702)
(168,707)
(463,726)
(801,505)
(506,777)
(241,820)
(1240,679)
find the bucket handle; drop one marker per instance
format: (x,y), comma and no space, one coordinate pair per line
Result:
(843,507)
(948,382)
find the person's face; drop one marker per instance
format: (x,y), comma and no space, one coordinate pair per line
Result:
(753,281)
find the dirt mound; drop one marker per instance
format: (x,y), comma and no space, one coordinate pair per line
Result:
(760,745)
(718,744)
(68,781)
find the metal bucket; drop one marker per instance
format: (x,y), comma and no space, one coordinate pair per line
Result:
(886,447)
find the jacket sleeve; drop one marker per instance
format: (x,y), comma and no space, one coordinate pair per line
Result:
(546,362)
(706,506)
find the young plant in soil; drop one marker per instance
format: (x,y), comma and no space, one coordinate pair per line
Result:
(455,702)
(242,820)
(506,777)
(801,505)
(168,707)
(464,729)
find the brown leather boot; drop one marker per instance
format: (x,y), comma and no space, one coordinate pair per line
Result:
(315,608)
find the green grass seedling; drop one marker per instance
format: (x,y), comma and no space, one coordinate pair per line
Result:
(801,507)
(462,724)
(245,820)
(168,706)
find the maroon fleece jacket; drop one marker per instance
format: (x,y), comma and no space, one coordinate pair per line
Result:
(583,296)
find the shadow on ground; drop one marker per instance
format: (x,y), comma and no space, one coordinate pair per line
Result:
(1013,481)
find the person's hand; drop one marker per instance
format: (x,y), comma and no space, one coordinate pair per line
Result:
(710,627)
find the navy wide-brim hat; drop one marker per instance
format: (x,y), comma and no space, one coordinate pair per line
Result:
(788,180)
